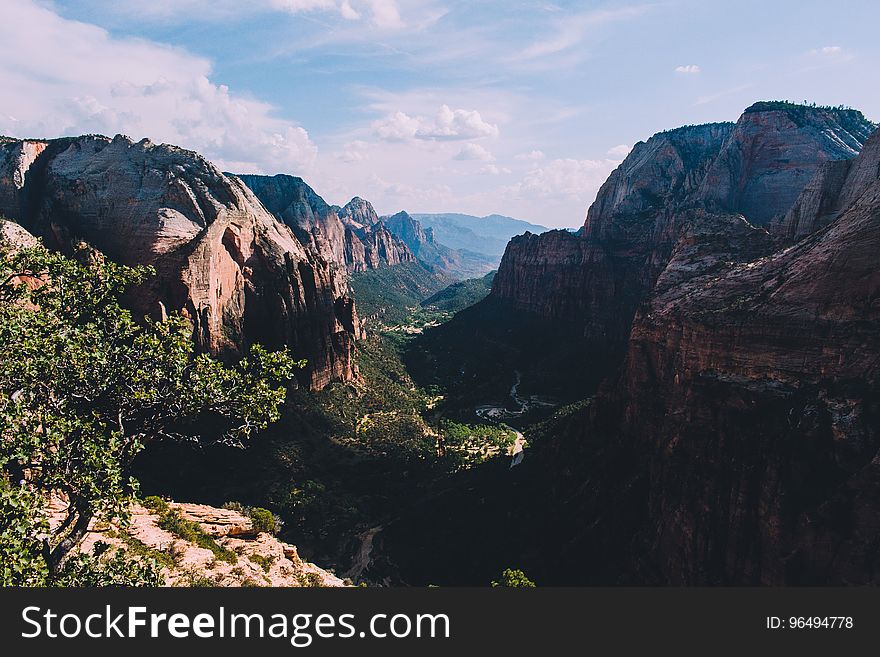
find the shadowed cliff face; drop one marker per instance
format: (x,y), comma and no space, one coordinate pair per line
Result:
(751,396)
(222,260)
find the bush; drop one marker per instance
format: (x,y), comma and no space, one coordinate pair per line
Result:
(101,569)
(264,520)
(514,578)
(156,504)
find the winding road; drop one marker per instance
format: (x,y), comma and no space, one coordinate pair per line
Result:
(494,413)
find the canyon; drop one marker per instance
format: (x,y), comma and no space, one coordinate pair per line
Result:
(694,371)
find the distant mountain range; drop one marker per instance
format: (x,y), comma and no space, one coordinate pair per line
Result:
(487,236)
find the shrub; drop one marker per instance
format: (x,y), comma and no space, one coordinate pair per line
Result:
(514,578)
(264,520)
(172,521)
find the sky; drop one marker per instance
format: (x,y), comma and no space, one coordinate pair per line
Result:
(480,106)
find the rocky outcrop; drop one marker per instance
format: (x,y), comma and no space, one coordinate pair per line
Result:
(351,237)
(774,151)
(13,237)
(250,558)
(368,243)
(222,260)
(16,157)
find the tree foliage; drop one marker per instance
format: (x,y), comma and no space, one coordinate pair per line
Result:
(84,386)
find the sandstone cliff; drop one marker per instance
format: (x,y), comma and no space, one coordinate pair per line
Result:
(222,259)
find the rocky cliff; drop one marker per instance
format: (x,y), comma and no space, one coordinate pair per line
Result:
(248,557)
(221,258)
(351,237)
(749,409)
(696,183)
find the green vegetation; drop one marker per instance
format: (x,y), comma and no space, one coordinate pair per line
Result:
(105,569)
(134,546)
(514,578)
(115,385)
(263,519)
(172,521)
(468,445)
(312,580)
(263,562)
(389,294)
(461,295)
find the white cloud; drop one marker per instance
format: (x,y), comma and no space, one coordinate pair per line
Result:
(78,79)
(354,151)
(447,125)
(493,170)
(471,151)
(689,69)
(384,14)
(827,51)
(565,177)
(619,152)
(399,126)
(531,155)
(348,12)
(573,30)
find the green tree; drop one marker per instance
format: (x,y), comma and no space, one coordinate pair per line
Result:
(514,578)
(84,386)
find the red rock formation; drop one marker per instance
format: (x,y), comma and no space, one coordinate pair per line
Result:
(222,260)
(752,396)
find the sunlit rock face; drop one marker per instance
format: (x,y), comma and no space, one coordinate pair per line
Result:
(222,260)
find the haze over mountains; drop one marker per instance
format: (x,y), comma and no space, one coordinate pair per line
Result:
(696,369)
(485,235)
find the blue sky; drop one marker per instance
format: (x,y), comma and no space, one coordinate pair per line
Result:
(520,108)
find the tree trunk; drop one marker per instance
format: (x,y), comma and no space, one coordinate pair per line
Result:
(80,527)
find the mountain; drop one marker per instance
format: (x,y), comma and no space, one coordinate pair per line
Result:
(351,236)
(722,184)
(484,235)
(456,263)
(222,260)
